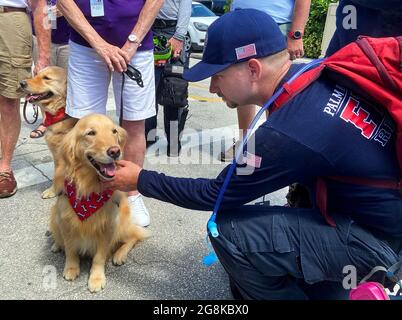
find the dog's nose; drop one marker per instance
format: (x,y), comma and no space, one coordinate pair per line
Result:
(23,84)
(113,152)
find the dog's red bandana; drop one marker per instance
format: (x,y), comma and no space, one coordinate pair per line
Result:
(52,119)
(86,206)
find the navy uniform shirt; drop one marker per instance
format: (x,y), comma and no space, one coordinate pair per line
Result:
(374,18)
(325,130)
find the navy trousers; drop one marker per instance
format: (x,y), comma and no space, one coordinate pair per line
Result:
(287,253)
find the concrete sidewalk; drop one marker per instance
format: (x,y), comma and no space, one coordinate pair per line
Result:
(166,266)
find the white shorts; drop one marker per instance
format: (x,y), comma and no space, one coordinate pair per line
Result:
(89,79)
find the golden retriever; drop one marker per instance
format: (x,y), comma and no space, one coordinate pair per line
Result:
(88,154)
(48,90)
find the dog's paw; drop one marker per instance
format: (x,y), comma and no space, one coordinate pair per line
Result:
(71,274)
(55,248)
(119,258)
(49,193)
(96,283)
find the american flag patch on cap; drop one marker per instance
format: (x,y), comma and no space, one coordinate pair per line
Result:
(246,51)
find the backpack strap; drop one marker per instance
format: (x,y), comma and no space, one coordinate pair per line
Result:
(321,190)
(368,50)
(399,39)
(375,183)
(297,86)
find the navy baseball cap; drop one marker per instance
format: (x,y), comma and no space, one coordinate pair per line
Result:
(235,37)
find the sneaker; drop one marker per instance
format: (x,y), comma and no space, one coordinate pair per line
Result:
(8,185)
(139,212)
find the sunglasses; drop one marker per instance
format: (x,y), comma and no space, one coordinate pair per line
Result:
(134,74)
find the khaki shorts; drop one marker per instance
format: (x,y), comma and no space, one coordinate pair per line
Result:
(15,52)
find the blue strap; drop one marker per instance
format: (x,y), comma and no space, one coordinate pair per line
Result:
(212,226)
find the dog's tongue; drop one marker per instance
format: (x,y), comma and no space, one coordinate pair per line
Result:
(32,97)
(108,169)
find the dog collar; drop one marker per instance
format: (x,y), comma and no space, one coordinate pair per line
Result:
(52,119)
(86,206)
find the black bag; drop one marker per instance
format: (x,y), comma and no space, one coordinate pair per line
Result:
(174,91)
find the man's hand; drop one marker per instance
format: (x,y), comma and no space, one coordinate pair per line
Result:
(115,58)
(126,177)
(295,48)
(177,47)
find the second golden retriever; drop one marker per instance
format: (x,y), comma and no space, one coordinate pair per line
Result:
(86,220)
(48,90)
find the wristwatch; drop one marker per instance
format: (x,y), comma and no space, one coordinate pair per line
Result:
(134,39)
(295,35)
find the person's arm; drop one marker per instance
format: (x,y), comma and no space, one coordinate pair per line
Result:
(283,161)
(183,20)
(43,33)
(115,58)
(301,12)
(143,25)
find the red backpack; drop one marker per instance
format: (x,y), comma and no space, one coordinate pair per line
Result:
(371,67)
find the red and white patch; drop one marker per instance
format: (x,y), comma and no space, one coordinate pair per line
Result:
(253,161)
(246,51)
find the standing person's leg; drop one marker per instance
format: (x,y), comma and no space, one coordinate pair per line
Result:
(138,105)
(61,55)
(174,118)
(10,126)
(245,114)
(152,122)
(15,66)
(286,253)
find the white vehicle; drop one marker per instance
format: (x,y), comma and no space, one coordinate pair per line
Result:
(201,18)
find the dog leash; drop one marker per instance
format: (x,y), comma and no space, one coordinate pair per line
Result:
(35,114)
(211,258)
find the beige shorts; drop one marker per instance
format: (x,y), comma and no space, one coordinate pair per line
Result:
(15,52)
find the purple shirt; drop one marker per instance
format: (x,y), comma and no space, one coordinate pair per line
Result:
(117,23)
(61,34)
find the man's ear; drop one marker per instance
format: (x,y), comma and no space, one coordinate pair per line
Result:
(255,69)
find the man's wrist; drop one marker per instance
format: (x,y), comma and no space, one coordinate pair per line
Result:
(134,39)
(295,35)
(179,37)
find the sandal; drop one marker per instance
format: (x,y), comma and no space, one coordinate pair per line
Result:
(38,133)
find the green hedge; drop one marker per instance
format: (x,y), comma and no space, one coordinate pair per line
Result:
(314,28)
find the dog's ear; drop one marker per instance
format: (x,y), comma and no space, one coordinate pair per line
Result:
(121,136)
(68,147)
